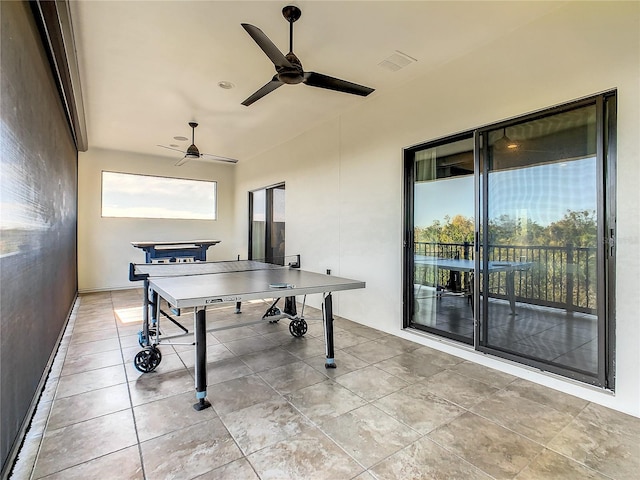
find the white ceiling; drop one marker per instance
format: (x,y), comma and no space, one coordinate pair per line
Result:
(147,68)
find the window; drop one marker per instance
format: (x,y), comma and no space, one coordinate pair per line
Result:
(128,195)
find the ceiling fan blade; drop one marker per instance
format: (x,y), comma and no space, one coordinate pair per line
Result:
(268,88)
(324,81)
(219,158)
(182,161)
(171,148)
(267,46)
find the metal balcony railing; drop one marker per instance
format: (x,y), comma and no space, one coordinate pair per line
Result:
(559,277)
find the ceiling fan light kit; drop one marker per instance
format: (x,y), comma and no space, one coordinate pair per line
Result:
(289,67)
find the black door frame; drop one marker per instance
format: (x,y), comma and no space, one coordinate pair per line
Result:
(606,110)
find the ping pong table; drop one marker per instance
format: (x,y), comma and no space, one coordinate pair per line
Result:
(199,285)
(465,265)
(172,250)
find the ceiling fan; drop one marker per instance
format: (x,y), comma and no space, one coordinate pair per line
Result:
(193,152)
(289,68)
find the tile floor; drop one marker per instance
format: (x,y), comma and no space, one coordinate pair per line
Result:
(392,409)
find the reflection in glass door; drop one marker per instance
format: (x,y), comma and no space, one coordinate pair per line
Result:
(540,268)
(443,219)
(267,224)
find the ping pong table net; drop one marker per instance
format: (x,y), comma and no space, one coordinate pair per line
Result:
(141,271)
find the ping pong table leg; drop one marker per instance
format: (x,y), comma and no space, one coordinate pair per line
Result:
(143,335)
(328,331)
(200,330)
(511,291)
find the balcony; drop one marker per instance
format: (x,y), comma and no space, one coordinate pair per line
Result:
(555,302)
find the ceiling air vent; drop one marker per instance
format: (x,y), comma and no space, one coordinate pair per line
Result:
(396,61)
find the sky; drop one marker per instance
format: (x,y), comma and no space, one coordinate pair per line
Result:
(541,193)
(144,196)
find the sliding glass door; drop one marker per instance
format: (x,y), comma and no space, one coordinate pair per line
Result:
(443,219)
(542,268)
(267,224)
(509,245)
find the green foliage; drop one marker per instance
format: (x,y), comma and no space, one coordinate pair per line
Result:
(577,228)
(458,229)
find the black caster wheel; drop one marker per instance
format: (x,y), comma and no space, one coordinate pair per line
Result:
(147,360)
(298,328)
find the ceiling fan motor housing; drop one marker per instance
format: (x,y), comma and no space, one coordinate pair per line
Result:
(291,75)
(192,152)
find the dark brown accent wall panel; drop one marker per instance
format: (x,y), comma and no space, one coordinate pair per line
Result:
(38,219)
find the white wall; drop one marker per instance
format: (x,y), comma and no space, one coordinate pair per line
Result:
(344,178)
(104,244)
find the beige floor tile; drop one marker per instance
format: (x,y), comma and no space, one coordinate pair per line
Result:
(409,367)
(373,351)
(87,381)
(91,361)
(557,467)
(84,406)
(436,357)
(154,386)
(363,331)
(407,346)
(305,347)
(266,359)
(610,420)
(324,400)
(249,345)
(614,454)
(126,462)
(169,414)
(240,393)
(264,424)
(93,336)
(345,338)
(308,455)
(538,422)
(344,362)
(560,401)
(237,470)
(371,383)
(215,353)
(189,452)
(81,442)
(368,434)
(424,459)
(226,369)
(487,375)
(234,334)
(291,377)
(493,449)
(418,408)
(87,348)
(103,323)
(458,389)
